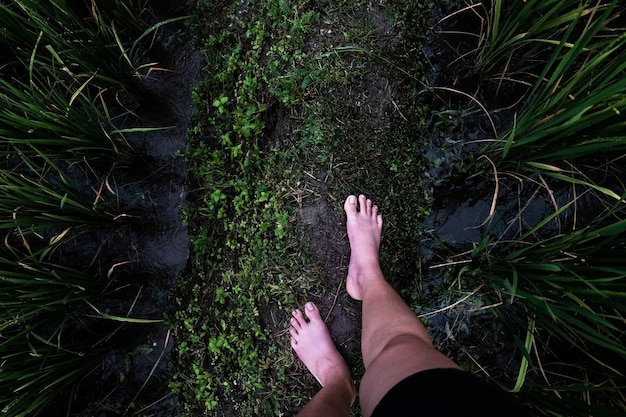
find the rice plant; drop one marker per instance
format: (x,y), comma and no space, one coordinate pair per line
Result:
(515,35)
(77,37)
(47,115)
(52,334)
(575,109)
(571,289)
(39,204)
(45,348)
(63,66)
(103,40)
(37,361)
(567,285)
(54,94)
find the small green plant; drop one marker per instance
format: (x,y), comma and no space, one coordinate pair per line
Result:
(241,214)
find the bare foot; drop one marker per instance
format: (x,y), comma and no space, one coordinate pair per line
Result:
(364,230)
(312,343)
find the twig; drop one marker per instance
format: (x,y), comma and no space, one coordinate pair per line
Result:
(466,261)
(494,200)
(334,300)
(166,342)
(432,313)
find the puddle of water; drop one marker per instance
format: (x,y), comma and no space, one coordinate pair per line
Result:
(458,225)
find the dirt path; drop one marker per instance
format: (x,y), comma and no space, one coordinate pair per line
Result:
(301,105)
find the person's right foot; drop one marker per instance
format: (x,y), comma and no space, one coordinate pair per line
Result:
(364,226)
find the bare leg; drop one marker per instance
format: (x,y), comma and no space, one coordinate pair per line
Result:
(394,342)
(312,343)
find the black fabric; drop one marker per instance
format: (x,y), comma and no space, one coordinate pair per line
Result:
(447,393)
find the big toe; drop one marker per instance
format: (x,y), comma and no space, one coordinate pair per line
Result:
(350,205)
(312,312)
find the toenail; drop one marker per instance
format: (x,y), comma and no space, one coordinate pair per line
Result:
(310,307)
(352,199)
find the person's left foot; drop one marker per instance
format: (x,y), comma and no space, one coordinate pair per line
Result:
(312,343)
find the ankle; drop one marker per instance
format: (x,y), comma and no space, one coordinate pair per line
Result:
(344,387)
(368,277)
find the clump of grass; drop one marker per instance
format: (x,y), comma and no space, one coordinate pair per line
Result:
(52,333)
(66,64)
(45,115)
(573,112)
(34,206)
(514,36)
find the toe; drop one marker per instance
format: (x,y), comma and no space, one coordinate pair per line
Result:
(379,220)
(295,323)
(368,207)
(294,343)
(297,315)
(350,205)
(312,312)
(293,332)
(374,211)
(362,203)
